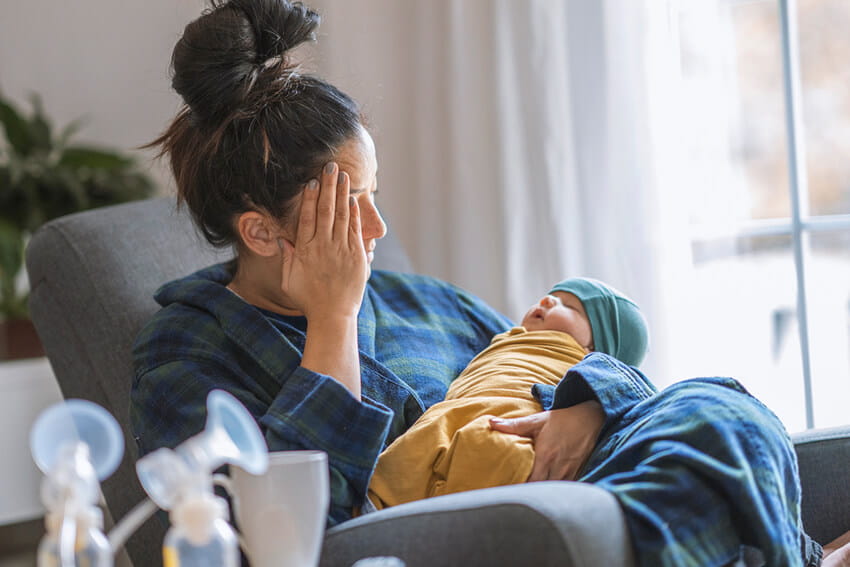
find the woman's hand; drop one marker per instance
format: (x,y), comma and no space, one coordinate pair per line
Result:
(563,438)
(325,271)
(324,276)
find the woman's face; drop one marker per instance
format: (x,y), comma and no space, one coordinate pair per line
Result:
(357,158)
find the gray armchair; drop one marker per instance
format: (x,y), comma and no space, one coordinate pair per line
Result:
(93,275)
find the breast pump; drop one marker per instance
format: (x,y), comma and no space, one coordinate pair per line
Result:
(180,481)
(77,443)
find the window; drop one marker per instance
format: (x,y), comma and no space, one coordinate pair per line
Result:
(767,145)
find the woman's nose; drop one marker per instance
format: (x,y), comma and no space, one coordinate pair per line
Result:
(372,225)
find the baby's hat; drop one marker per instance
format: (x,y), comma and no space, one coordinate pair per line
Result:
(618,326)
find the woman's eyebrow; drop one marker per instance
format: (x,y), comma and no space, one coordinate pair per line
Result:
(358,190)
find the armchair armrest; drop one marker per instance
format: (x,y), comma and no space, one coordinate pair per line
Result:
(824,460)
(567,524)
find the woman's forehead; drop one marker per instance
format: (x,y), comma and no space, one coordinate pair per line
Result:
(357,158)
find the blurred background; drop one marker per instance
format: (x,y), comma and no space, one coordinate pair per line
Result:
(693,153)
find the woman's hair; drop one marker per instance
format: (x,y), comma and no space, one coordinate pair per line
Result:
(253,129)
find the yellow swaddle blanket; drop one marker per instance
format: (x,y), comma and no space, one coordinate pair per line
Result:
(451,448)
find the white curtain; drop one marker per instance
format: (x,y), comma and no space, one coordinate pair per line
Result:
(520,143)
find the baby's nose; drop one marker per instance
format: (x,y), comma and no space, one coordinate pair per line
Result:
(548,301)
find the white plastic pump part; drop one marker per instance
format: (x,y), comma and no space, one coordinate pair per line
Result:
(91,517)
(75,443)
(196,516)
(72,421)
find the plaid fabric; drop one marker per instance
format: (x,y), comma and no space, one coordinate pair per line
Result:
(415,335)
(705,473)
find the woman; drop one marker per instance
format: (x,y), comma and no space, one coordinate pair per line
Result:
(324,354)
(279,165)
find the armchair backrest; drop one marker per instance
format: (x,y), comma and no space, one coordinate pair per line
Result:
(93,276)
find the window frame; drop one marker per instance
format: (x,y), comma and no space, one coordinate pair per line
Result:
(801,224)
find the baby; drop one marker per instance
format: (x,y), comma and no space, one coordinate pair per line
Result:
(451,447)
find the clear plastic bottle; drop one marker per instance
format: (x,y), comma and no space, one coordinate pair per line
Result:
(90,546)
(200,535)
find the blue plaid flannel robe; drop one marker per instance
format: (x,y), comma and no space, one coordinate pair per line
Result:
(705,473)
(415,336)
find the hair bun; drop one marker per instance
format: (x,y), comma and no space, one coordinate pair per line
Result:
(278,25)
(222,52)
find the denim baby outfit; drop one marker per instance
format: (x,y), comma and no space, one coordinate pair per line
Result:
(705,473)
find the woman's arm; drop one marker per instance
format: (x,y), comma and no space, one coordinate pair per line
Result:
(324,275)
(311,411)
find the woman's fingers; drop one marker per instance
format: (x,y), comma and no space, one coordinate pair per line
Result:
(327,200)
(332,206)
(355,237)
(325,208)
(342,208)
(528,426)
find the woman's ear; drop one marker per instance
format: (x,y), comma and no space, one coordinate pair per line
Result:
(259,233)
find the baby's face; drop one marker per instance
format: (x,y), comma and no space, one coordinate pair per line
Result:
(563,312)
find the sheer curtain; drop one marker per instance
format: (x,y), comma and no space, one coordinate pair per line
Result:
(520,143)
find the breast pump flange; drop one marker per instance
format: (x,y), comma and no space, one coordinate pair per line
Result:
(76,444)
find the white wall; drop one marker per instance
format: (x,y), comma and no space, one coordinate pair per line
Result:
(108,61)
(105,60)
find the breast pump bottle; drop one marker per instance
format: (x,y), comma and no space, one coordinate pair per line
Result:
(75,443)
(74,522)
(200,535)
(180,481)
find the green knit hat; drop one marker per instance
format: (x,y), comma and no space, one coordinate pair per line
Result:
(618,326)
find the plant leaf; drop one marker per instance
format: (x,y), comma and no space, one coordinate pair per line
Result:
(15,126)
(40,128)
(68,132)
(95,158)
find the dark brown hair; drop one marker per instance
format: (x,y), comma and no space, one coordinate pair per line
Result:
(253,129)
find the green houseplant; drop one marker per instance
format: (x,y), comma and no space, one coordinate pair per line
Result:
(43,176)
